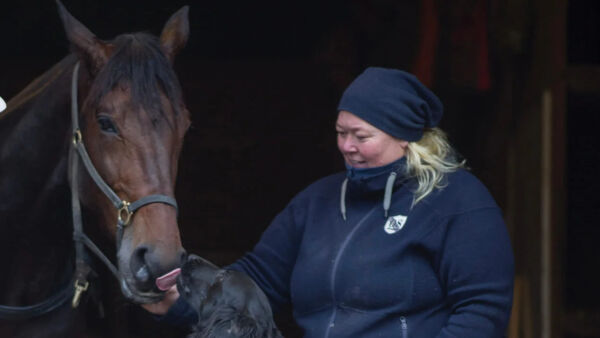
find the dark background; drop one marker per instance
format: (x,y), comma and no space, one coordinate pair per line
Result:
(262,80)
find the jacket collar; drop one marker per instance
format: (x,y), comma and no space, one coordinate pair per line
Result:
(374,179)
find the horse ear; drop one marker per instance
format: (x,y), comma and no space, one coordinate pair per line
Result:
(93,51)
(175,33)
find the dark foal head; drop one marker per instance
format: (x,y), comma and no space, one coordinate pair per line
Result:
(133,121)
(228,303)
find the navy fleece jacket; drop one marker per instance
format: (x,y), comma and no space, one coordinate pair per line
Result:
(446,270)
(443,268)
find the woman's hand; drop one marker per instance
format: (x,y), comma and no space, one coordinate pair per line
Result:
(161,308)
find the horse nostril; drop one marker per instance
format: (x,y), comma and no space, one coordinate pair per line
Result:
(142,274)
(140,269)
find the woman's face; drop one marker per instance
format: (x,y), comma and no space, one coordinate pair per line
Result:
(363,145)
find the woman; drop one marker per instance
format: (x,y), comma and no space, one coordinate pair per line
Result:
(405,243)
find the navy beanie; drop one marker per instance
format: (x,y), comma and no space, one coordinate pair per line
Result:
(393,101)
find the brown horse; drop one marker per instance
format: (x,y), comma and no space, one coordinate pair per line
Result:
(132,120)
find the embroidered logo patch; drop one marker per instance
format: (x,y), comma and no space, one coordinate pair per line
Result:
(394,224)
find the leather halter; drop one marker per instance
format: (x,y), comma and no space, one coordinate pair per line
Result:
(124,208)
(124,214)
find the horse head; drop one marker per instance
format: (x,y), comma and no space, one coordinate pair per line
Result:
(132,120)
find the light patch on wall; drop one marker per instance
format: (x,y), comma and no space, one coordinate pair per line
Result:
(2,105)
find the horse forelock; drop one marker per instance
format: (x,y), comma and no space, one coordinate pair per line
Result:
(139,63)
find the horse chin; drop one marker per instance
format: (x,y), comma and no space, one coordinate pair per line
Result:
(138,296)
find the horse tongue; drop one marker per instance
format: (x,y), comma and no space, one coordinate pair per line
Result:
(166,281)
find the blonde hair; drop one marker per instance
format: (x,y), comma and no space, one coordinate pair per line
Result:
(429,160)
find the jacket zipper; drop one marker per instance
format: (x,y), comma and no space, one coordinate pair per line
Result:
(331,322)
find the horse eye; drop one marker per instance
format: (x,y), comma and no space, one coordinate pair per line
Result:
(107,125)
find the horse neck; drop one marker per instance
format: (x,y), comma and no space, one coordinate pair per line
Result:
(34,193)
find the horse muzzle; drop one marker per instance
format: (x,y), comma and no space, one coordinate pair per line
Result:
(148,271)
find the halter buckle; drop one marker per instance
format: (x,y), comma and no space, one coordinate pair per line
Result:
(79,289)
(124,214)
(76,137)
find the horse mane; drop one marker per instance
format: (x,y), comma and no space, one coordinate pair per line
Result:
(139,62)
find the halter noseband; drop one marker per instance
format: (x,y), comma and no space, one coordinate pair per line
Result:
(125,209)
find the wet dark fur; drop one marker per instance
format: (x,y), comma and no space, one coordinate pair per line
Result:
(228,303)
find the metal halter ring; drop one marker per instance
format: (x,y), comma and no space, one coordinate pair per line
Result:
(76,137)
(124,209)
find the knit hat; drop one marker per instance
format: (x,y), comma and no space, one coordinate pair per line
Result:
(393,101)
